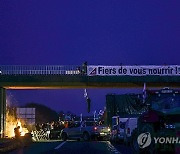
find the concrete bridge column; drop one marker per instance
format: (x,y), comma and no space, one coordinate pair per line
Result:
(2,112)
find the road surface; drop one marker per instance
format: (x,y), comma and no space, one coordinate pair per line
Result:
(73,147)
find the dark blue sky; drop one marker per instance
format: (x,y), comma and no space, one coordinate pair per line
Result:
(70,32)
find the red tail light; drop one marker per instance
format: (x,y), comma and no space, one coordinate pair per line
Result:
(95,128)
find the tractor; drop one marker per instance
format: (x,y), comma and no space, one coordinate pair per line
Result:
(162,119)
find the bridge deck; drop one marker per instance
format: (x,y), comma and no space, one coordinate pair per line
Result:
(57,76)
(83,81)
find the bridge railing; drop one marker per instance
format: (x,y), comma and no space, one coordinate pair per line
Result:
(41,70)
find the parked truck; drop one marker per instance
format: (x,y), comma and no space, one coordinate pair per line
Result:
(123,105)
(161,120)
(119,109)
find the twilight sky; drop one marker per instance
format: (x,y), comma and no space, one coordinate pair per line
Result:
(69,32)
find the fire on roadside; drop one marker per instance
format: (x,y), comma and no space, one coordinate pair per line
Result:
(11,123)
(22,130)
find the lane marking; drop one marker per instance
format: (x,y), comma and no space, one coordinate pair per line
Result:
(112,148)
(60,145)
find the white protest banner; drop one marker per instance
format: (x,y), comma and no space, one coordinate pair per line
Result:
(149,70)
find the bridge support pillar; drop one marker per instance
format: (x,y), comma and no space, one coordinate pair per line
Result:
(2,112)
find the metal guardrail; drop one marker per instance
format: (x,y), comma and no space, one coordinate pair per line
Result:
(42,70)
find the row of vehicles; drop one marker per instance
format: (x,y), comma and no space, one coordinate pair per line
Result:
(162,119)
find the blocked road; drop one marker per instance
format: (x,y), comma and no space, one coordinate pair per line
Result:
(68,147)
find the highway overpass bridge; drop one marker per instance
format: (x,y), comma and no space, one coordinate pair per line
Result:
(57,77)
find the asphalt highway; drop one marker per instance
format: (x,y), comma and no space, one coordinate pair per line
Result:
(73,147)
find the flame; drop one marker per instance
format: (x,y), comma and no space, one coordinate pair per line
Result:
(22,130)
(11,123)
